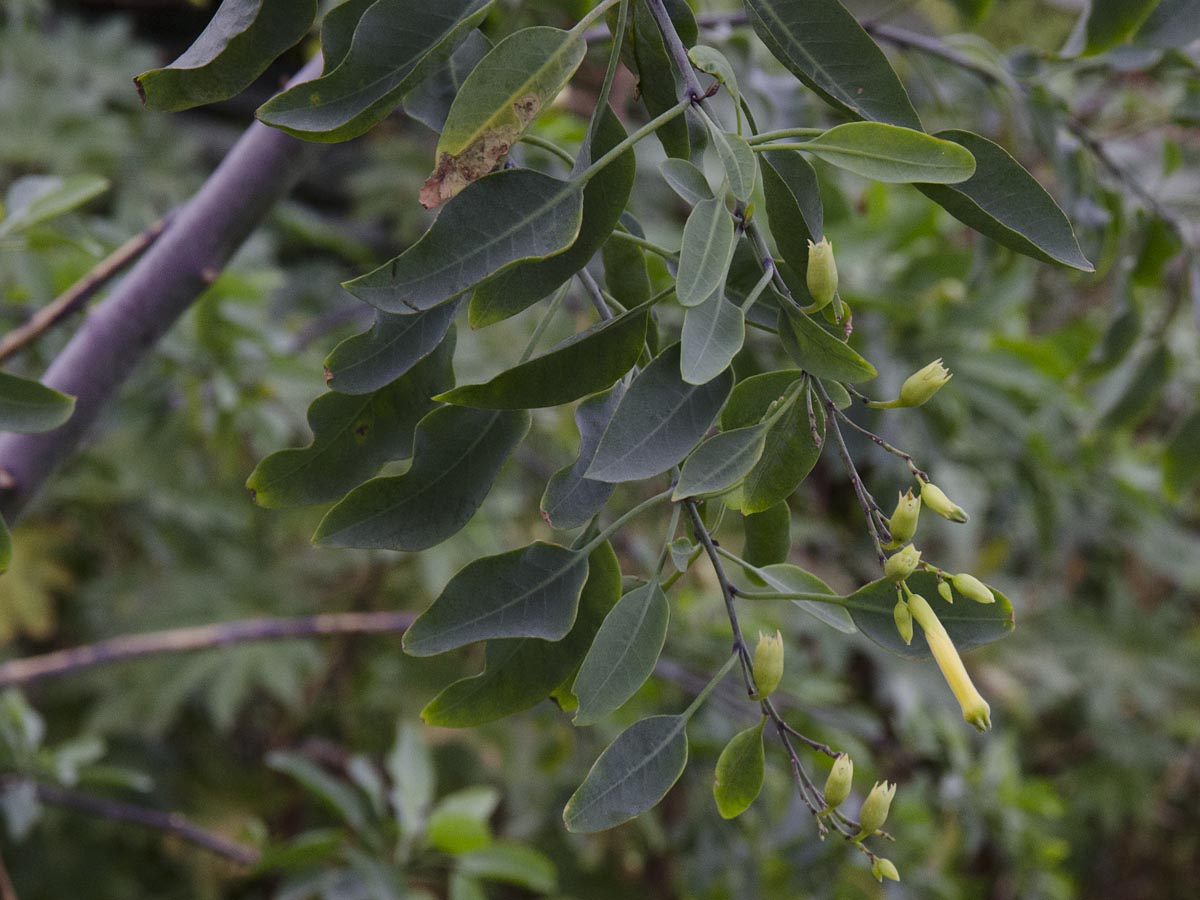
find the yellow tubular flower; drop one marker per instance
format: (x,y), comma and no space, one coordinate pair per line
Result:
(974,708)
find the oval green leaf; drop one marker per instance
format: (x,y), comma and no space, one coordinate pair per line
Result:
(632,775)
(530,592)
(789,579)
(818,352)
(892,154)
(720,462)
(685,180)
(458,453)
(737,159)
(430,101)
(660,418)
(394,344)
(707,250)
(30,407)
(570,498)
(713,334)
(739,776)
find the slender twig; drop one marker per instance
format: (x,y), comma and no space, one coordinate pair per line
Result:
(168,822)
(168,278)
(78,294)
(200,637)
(917,471)
(593,291)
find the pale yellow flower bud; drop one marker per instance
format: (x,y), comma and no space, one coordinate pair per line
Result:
(837,785)
(884,868)
(904,621)
(974,708)
(875,808)
(944,590)
(768,664)
(903,523)
(822,275)
(935,498)
(902,564)
(973,589)
(919,387)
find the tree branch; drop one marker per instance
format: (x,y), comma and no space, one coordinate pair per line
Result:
(189,255)
(201,637)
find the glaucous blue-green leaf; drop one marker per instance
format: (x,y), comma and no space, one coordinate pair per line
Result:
(1173,24)
(5,546)
(585,363)
(502,219)
(571,499)
(737,159)
(34,199)
(241,40)
(501,97)
(818,352)
(790,450)
(429,102)
(794,207)
(720,462)
(632,775)
(29,406)
(623,654)
(510,863)
(892,154)
(660,418)
(707,249)
(739,775)
(685,180)
(529,592)
(389,348)
(789,579)
(626,274)
(353,435)
(604,199)
(823,45)
(459,823)
(1112,22)
(1004,202)
(713,333)
(658,76)
(1181,462)
(337,30)
(522,672)
(396,44)
(968,624)
(768,535)
(713,62)
(458,452)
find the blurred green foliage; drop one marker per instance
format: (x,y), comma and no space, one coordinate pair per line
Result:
(1089,785)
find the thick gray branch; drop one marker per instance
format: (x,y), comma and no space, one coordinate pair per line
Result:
(260,169)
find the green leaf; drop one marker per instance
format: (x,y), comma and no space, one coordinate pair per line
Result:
(658,78)
(35,199)
(794,207)
(497,103)
(786,578)
(604,199)
(503,219)
(818,352)
(624,653)
(1173,24)
(712,61)
(660,418)
(720,462)
(396,44)
(394,344)
(458,453)
(335,794)
(713,334)
(707,250)
(632,775)
(30,407)
(241,40)
(571,499)
(892,154)
(414,779)
(459,823)
(768,535)
(790,451)
(737,159)
(429,102)
(1141,393)
(1004,202)
(353,435)
(1112,22)
(583,364)
(739,775)
(1181,462)
(968,624)
(511,863)
(685,180)
(522,672)
(823,45)
(625,271)
(337,30)
(530,592)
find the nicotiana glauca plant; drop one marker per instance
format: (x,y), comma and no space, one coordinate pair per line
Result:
(710,383)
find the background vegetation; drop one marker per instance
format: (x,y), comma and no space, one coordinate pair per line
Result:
(1072,442)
